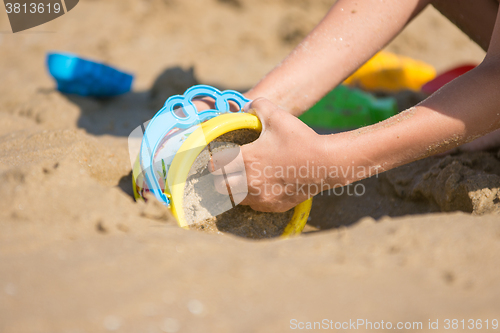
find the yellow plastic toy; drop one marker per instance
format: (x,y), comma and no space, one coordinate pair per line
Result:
(192,147)
(391,73)
(200,136)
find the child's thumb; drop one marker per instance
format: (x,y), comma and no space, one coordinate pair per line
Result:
(262,108)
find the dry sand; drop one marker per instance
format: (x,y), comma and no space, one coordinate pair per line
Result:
(77,254)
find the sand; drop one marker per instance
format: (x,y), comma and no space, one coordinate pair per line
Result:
(465,182)
(77,254)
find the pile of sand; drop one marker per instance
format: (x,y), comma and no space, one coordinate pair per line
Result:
(465,182)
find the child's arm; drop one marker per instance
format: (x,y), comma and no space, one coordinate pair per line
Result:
(464,109)
(350,34)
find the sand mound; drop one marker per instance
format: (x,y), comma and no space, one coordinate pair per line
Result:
(65,178)
(466,182)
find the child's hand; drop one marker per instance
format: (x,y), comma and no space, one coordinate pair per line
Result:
(277,166)
(205,103)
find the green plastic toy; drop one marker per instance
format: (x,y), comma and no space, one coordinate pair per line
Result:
(346,108)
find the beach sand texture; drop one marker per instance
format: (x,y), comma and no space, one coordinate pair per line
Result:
(77,254)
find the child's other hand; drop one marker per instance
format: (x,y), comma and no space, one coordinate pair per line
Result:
(203,103)
(277,166)
(206,103)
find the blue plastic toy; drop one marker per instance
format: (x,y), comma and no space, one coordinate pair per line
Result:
(167,120)
(75,75)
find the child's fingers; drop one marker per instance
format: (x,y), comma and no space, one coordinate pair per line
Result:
(230,159)
(236,183)
(247,107)
(263,109)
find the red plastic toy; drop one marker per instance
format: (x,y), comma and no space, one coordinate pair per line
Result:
(440,80)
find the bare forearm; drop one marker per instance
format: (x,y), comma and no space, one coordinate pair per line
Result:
(333,50)
(460,112)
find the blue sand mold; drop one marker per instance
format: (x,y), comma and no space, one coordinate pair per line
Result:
(75,75)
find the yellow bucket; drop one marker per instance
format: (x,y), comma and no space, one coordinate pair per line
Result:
(193,146)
